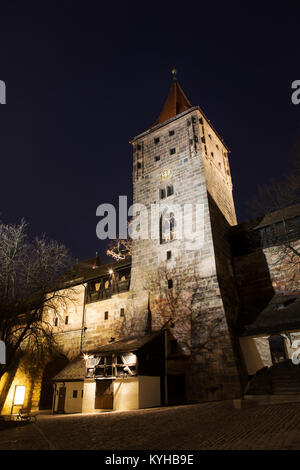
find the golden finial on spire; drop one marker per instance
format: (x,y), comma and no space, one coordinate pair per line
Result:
(174,73)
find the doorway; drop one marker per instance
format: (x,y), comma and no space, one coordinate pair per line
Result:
(104,394)
(277,348)
(61,400)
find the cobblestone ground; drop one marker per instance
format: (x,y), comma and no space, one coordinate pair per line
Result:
(203,426)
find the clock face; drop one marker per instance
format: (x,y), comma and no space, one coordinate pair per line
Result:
(166,174)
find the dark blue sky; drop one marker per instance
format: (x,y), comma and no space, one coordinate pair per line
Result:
(83,79)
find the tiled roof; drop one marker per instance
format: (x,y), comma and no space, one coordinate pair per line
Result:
(75,370)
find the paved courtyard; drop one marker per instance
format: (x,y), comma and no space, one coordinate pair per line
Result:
(203,426)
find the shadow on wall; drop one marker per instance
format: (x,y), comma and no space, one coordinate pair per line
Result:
(51,369)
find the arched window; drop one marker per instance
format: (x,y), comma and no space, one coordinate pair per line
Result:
(167,227)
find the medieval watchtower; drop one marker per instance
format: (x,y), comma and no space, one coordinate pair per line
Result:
(181,160)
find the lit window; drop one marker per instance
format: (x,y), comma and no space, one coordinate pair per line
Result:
(19,397)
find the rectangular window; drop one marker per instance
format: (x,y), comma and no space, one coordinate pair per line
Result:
(212,154)
(66,320)
(169,254)
(170,190)
(156,140)
(75,393)
(105,315)
(139,165)
(170,283)
(55,321)
(139,147)
(172,151)
(157,158)
(122,312)
(162,193)
(171,133)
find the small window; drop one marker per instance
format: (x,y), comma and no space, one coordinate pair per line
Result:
(122,312)
(139,165)
(170,190)
(170,283)
(185,160)
(171,133)
(66,320)
(212,154)
(201,120)
(194,119)
(157,158)
(209,136)
(55,321)
(196,138)
(217,146)
(162,193)
(139,147)
(169,254)
(105,315)
(75,393)
(156,140)
(172,151)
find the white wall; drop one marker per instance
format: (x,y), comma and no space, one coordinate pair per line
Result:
(126,394)
(89,393)
(72,405)
(136,392)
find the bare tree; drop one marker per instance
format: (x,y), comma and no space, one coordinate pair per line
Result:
(30,291)
(120,249)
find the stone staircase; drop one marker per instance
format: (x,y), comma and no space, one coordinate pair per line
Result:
(279,383)
(285,378)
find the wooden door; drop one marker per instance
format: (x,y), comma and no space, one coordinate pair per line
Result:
(104,395)
(61,400)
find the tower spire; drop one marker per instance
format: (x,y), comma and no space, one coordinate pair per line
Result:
(176,102)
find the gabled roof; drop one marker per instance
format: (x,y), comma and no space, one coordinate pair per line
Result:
(75,370)
(176,104)
(126,345)
(281,313)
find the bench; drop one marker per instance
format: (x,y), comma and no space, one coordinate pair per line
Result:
(25,414)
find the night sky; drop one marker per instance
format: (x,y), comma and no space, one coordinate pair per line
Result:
(83,79)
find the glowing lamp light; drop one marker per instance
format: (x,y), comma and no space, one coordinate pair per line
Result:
(110,271)
(19,395)
(86,356)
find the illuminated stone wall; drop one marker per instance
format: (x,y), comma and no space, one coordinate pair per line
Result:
(194,173)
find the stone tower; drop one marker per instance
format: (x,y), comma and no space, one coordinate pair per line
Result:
(182,160)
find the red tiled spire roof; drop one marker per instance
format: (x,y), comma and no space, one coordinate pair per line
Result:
(176,102)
